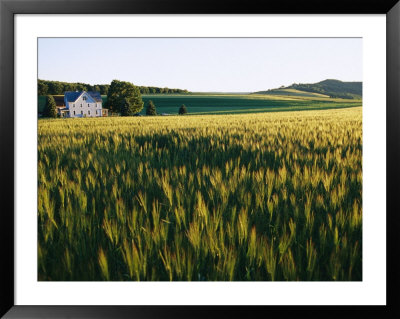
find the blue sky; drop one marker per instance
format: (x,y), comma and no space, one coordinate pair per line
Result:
(201,64)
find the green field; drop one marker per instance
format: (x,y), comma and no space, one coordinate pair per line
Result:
(238,103)
(293,92)
(243,197)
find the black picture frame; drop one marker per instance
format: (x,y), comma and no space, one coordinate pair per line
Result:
(8,8)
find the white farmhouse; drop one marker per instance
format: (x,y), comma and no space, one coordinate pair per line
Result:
(82,104)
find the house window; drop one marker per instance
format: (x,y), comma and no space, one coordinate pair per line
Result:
(84,98)
(81,105)
(89,112)
(82,112)
(88,105)
(73,105)
(74,112)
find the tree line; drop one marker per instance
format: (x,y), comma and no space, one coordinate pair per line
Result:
(58,88)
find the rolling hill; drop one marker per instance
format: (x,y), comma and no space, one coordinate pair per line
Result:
(326,88)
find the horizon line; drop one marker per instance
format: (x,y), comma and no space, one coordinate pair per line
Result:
(207,91)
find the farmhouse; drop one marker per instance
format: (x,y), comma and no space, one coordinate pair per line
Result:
(82,104)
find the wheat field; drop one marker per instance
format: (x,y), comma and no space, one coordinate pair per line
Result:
(246,197)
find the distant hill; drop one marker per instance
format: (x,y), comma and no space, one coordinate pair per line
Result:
(327,88)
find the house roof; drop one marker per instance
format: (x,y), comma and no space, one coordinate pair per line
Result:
(95,95)
(72,96)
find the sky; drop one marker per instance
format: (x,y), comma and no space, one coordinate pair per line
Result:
(201,64)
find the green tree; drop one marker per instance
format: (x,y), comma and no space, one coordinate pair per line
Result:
(50,109)
(43,88)
(81,87)
(151,108)
(70,87)
(56,88)
(124,97)
(104,89)
(182,109)
(127,108)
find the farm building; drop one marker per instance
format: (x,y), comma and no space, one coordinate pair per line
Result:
(60,105)
(82,104)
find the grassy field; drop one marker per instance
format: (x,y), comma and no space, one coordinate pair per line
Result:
(293,92)
(234,103)
(271,197)
(239,103)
